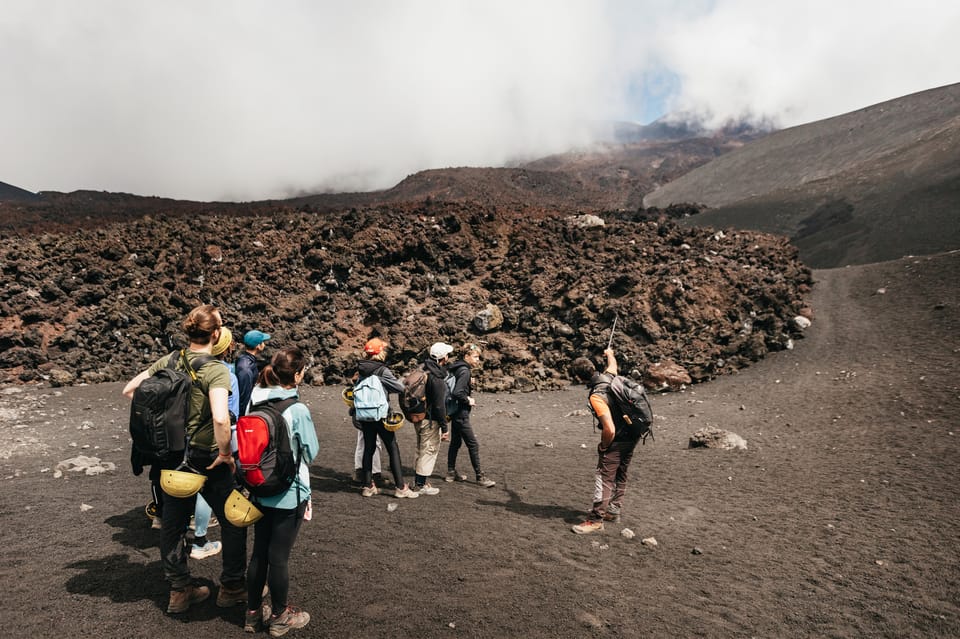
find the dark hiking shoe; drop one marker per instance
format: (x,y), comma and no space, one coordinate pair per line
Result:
(452,475)
(182,599)
(287,620)
(228,597)
(483,482)
(612,515)
(257,620)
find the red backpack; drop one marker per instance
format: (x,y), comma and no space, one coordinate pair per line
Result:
(265,461)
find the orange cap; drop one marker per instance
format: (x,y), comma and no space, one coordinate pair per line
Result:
(374,346)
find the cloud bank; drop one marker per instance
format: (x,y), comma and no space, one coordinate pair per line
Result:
(252,99)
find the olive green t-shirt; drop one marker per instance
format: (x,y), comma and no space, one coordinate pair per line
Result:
(213,374)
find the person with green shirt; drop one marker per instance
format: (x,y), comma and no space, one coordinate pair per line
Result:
(208,452)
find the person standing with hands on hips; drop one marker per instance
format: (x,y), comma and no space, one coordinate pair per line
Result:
(208,452)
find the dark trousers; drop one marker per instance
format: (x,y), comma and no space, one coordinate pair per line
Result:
(273,537)
(176,521)
(611,478)
(372,430)
(461,432)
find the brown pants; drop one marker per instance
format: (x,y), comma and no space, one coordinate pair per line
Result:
(611,479)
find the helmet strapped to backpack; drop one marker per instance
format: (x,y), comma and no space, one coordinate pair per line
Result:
(240,511)
(183,482)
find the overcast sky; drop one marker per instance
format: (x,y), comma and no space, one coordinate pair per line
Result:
(245,100)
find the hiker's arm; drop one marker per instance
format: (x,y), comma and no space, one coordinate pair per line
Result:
(134,384)
(608,430)
(221,426)
(611,362)
(390,382)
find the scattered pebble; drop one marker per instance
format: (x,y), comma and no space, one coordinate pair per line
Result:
(391,507)
(85,507)
(696,551)
(626,533)
(650,541)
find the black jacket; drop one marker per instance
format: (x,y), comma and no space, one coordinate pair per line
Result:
(436,392)
(463,388)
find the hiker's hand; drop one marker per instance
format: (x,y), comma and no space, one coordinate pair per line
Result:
(471,401)
(608,351)
(601,449)
(224,459)
(445,437)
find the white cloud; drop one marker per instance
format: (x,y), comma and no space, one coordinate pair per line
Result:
(805,61)
(252,99)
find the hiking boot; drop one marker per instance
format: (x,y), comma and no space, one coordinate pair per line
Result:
(256,620)
(612,515)
(229,597)
(427,489)
(587,527)
(370,491)
(181,600)
(209,549)
(287,620)
(483,482)
(453,475)
(400,493)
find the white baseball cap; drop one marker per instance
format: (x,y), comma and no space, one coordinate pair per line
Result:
(440,350)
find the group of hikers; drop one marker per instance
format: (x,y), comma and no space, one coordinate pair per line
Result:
(222,394)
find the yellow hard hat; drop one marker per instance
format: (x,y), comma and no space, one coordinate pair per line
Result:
(393,422)
(239,510)
(181,483)
(347,397)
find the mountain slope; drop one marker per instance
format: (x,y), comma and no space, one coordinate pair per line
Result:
(862,187)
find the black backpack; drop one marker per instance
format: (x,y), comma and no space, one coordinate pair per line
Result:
(632,405)
(265,461)
(161,407)
(452,403)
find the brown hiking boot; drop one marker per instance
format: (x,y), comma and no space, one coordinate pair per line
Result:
(181,600)
(228,597)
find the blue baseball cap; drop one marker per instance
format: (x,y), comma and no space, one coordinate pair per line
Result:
(252,339)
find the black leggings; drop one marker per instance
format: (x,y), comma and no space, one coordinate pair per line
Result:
(461,432)
(273,539)
(372,430)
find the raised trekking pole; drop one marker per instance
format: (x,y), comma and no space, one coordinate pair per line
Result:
(612,329)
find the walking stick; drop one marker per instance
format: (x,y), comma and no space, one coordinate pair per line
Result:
(612,329)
